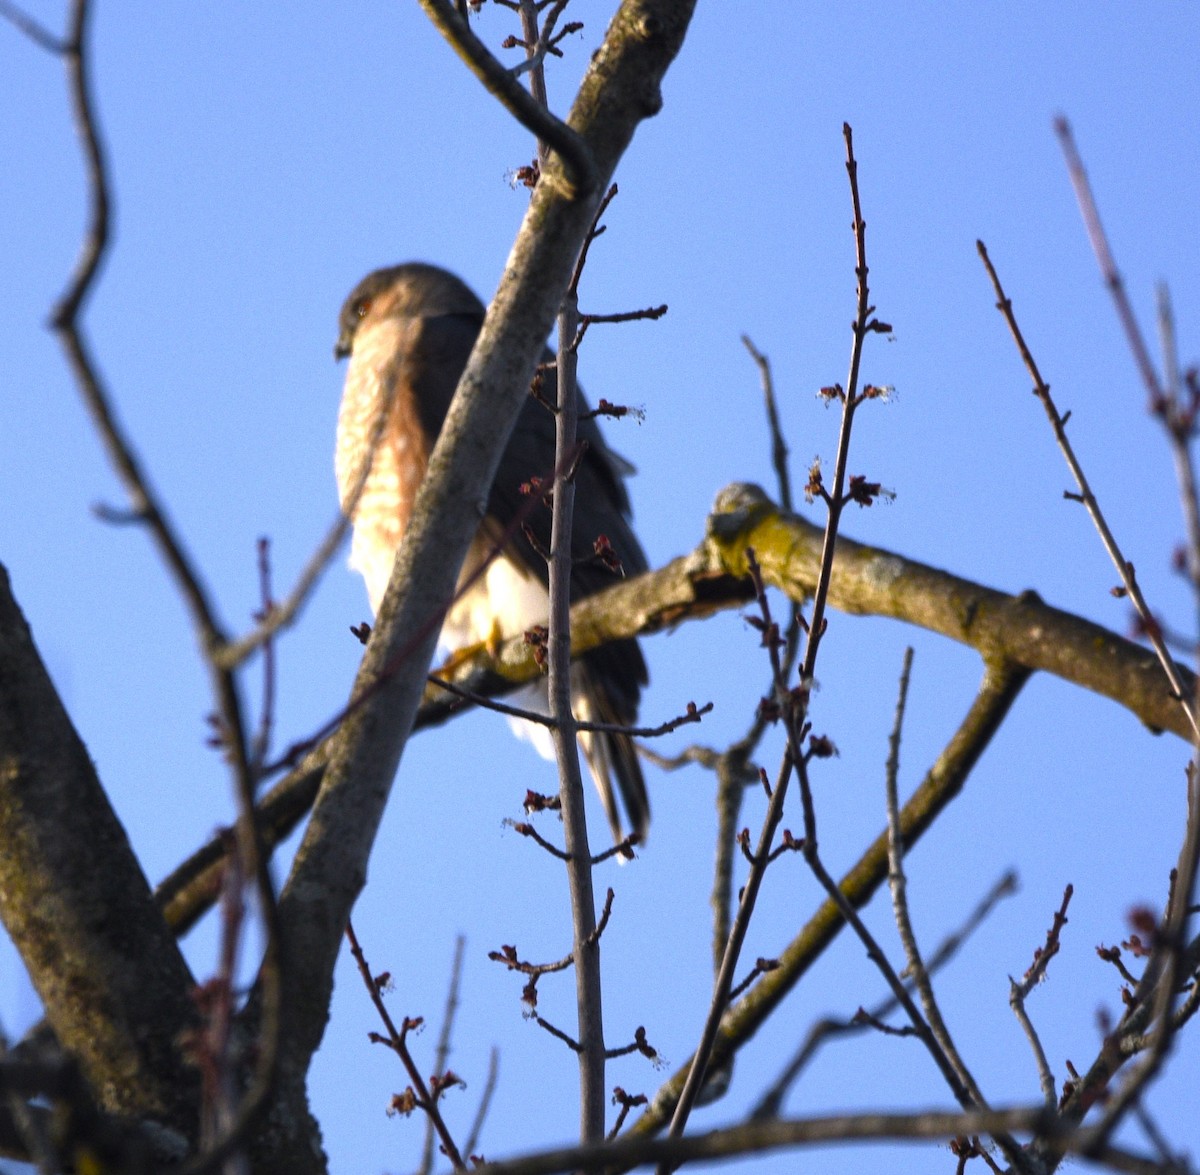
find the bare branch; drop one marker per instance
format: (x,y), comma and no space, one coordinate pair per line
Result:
(396,1041)
(1125,570)
(762,1137)
(442,1053)
(37,33)
(568,144)
(1108,266)
(1019,992)
(692,714)
(916,968)
(793,702)
(485,1101)
(779,449)
(588,994)
(771,1102)
(1001,685)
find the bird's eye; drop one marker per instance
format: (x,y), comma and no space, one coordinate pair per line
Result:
(361,307)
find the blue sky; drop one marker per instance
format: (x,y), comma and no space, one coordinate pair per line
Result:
(265,158)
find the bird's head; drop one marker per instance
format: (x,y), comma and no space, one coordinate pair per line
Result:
(412,290)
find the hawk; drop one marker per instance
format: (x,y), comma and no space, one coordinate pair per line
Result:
(408,331)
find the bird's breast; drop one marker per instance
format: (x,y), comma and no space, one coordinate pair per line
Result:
(382,451)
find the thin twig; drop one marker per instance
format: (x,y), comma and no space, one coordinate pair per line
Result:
(770,1104)
(144,502)
(1108,266)
(1158,986)
(1019,993)
(595,231)
(779,449)
(261,744)
(797,700)
(693,713)
(1176,414)
(485,1102)
(963,1093)
(230,653)
(732,767)
(442,1053)
(65,321)
(285,612)
(395,1040)
(501,84)
(1058,423)
(1160,982)
(653,313)
(723,982)
(36,32)
(916,968)
(1156,1137)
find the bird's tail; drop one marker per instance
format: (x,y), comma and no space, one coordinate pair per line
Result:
(611,756)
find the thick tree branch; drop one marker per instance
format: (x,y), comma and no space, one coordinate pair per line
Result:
(1001,685)
(76,904)
(866,581)
(620,89)
(761,1137)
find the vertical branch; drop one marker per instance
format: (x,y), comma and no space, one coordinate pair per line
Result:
(733,765)
(1178,414)
(148,509)
(442,1052)
(579,862)
(779,449)
(586,942)
(537,71)
(793,703)
(864,324)
(916,968)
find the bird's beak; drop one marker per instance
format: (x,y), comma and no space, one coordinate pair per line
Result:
(343,346)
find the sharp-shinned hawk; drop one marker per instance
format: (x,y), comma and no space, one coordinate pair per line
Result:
(408,331)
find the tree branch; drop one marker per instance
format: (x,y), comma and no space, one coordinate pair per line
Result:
(1001,685)
(762,1137)
(571,147)
(78,908)
(867,581)
(620,89)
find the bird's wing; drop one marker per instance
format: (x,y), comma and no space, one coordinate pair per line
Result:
(601,502)
(609,679)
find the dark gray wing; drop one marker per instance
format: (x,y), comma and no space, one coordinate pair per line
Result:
(613,675)
(616,672)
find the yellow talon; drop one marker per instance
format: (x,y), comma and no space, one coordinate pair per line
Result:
(460,657)
(494,639)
